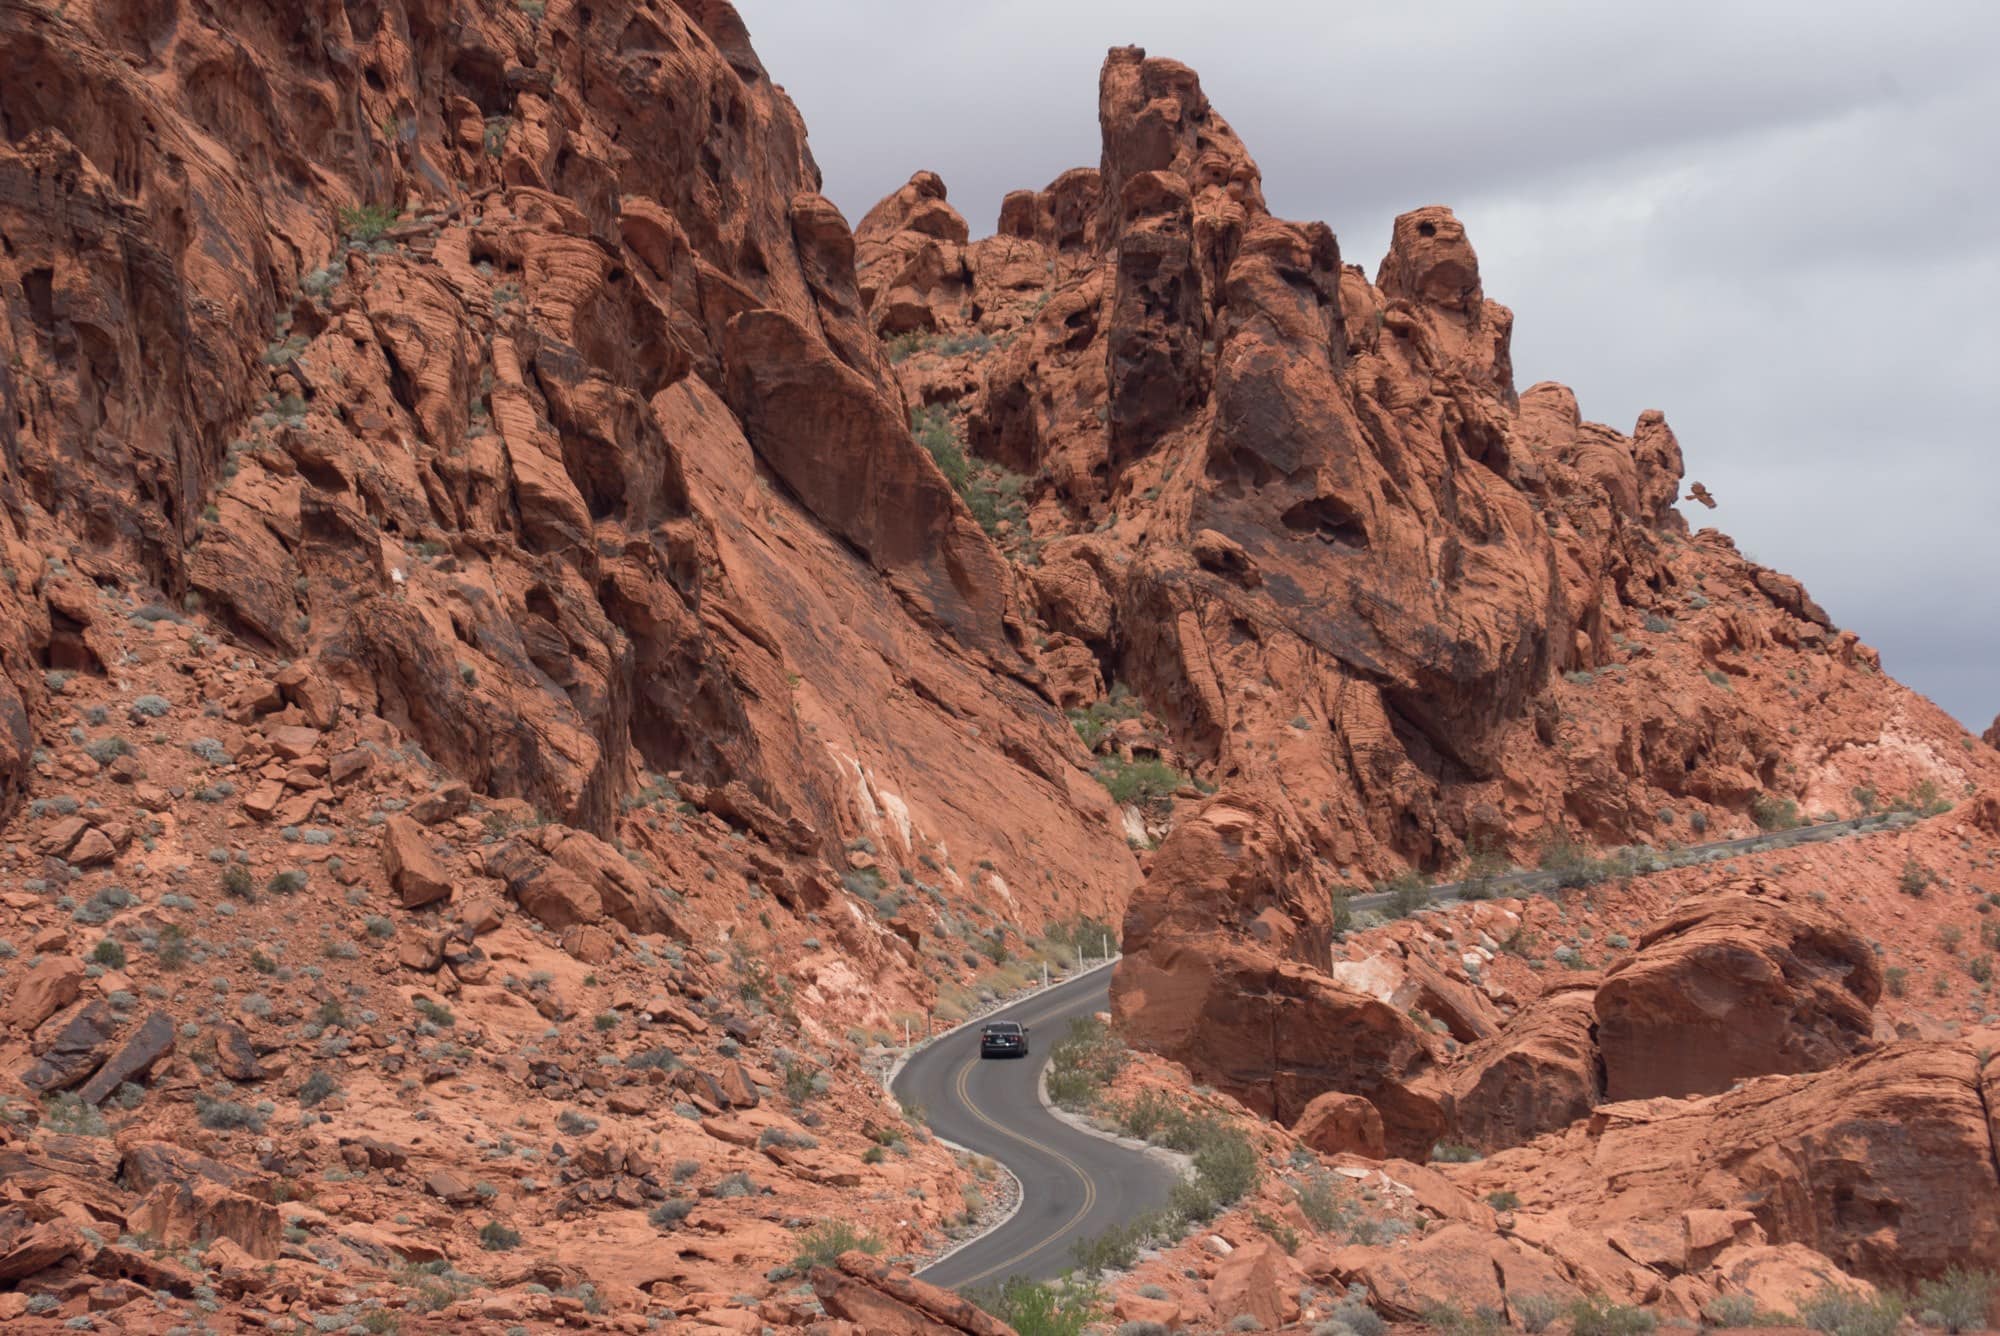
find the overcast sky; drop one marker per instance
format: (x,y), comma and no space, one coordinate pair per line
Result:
(1778,223)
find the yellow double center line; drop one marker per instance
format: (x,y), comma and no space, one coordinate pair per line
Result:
(1089,1186)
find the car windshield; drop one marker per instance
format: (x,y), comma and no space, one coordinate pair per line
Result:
(1003,1027)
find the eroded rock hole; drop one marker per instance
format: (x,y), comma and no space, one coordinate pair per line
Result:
(1329,519)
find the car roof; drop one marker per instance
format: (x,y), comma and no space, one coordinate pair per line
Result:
(1003,1025)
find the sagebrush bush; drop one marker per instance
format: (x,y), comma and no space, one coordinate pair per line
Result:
(827,1240)
(1957,1301)
(1599,1316)
(1838,1313)
(221,1115)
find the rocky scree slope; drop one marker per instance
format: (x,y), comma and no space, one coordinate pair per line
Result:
(496,710)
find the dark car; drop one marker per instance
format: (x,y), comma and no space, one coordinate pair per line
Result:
(1003,1039)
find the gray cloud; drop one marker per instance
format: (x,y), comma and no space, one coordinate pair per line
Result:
(1775,222)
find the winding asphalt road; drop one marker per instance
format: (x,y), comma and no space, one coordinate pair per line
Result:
(1073,1185)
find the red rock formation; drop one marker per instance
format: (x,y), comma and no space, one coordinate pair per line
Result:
(879,1299)
(1883,1164)
(1539,1074)
(1309,519)
(1227,976)
(492,477)
(1733,986)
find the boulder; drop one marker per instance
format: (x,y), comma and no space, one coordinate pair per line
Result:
(235,1055)
(145,1165)
(317,699)
(292,742)
(884,1301)
(27,1246)
(1777,1276)
(556,896)
(178,1215)
(413,868)
(1337,1123)
(1459,1267)
(76,1050)
(446,802)
(738,1090)
(43,990)
(146,1046)
(94,849)
(1260,1280)
(1538,1074)
(1734,985)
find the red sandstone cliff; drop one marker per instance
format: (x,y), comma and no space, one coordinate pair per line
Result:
(454,460)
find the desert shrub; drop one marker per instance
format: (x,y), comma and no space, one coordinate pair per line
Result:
(369,222)
(1148,1111)
(1504,1200)
(785,1139)
(106,750)
(1116,1249)
(151,707)
(1925,799)
(821,1244)
(1730,1310)
(661,1058)
(221,1115)
(1354,1314)
(1095,720)
(1141,1329)
(1456,1321)
(1446,1152)
(496,1237)
(289,882)
(1043,1308)
(1916,878)
(1535,1312)
(1407,894)
(1957,1301)
(236,883)
(70,1115)
(1227,1166)
(1321,1204)
(669,1213)
(1571,863)
(437,1013)
(1083,1062)
(1771,812)
(317,1087)
(1340,913)
(990,492)
(1145,781)
(1599,1316)
(109,954)
(1838,1313)
(1484,866)
(210,750)
(800,1085)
